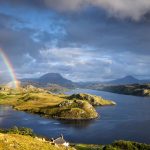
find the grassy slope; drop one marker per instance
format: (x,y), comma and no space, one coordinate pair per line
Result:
(61,106)
(11,141)
(92,99)
(21,142)
(24,138)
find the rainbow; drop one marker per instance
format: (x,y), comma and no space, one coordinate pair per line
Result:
(10,68)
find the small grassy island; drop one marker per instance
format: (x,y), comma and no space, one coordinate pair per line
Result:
(57,106)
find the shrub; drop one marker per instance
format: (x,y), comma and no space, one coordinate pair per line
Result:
(18,130)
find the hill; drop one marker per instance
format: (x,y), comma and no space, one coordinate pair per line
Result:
(56,106)
(125,80)
(128,89)
(121,81)
(48,79)
(54,78)
(22,142)
(11,141)
(92,99)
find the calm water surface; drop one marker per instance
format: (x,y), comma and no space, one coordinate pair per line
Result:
(128,120)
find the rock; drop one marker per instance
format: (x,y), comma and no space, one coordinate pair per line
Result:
(92,99)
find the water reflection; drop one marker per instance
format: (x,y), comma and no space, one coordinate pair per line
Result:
(79,124)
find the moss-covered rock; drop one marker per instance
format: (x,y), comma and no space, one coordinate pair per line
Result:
(92,99)
(71,110)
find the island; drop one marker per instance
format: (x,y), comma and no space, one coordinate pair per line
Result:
(57,106)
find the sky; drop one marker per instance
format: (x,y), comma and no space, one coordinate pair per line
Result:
(83,40)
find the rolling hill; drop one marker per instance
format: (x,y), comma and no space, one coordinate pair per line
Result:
(48,79)
(125,80)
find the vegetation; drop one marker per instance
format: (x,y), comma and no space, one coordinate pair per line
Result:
(88,147)
(23,142)
(92,99)
(134,89)
(54,88)
(18,130)
(58,106)
(24,139)
(118,145)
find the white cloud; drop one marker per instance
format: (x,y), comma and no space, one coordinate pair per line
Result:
(76,63)
(125,8)
(134,9)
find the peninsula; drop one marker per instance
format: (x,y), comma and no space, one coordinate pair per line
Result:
(57,106)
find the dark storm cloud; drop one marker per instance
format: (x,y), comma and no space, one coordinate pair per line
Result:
(19,36)
(94,28)
(119,8)
(76,38)
(16,44)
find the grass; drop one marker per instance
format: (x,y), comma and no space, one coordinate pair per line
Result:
(21,138)
(88,147)
(11,141)
(118,145)
(59,106)
(22,142)
(70,110)
(37,100)
(24,139)
(127,145)
(92,99)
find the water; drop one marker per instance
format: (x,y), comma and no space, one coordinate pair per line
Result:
(128,120)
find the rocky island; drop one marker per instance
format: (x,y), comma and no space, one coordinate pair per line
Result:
(57,106)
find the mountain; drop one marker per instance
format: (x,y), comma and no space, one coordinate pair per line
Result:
(54,78)
(47,79)
(125,80)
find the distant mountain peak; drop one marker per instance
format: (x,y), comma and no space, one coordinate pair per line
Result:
(129,77)
(51,78)
(125,80)
(51,75)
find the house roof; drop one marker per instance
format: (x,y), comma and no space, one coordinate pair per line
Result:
(59,140)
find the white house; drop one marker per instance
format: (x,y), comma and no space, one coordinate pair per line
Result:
(60,141)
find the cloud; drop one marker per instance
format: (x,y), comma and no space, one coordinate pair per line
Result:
(134,9)
(122,8)
(80,64)
(77,64)
(84,45)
